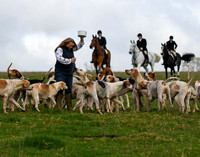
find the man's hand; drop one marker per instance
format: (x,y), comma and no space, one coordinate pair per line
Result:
(141,49)
(73,60)
(82,38)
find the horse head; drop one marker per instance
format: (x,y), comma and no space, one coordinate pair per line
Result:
(164,49)
(94,41)
(132,47)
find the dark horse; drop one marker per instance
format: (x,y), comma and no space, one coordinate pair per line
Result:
(99,55)
(169,61)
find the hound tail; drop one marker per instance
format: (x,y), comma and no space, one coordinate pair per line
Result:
(45,76)
(170,78)
(9,70)
(189,82)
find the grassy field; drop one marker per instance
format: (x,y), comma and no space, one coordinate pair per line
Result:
(127,133)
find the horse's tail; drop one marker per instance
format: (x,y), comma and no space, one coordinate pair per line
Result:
(187,57)
(109,58)
(157,59)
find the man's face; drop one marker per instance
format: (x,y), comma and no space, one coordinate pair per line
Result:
(99,34)
(140,37)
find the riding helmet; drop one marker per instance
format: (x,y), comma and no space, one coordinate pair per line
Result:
(139,35)
(171,37)
(99,31)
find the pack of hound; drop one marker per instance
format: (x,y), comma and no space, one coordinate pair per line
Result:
(103,93)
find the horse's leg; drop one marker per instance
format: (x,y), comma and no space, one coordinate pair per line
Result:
(138,67)
(174,71)
(152,66)
(100,66)
(178,68)
(95,65)
(145,67)
(166,74)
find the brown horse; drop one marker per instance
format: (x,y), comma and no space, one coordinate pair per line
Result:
(98,55)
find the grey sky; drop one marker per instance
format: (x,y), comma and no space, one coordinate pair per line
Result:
(32,29)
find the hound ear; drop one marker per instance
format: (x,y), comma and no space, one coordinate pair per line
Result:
(25,83)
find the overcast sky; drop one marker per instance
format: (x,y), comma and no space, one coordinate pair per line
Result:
(32,29)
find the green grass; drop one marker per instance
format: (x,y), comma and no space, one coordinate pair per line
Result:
(127,133)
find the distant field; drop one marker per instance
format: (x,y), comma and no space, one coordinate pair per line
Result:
(127,133)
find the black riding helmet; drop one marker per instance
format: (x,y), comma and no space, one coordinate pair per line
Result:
(171,37)
(139,35)
(99,31)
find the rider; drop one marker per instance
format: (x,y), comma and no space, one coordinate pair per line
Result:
(142,45)
(171,46)
(102,43)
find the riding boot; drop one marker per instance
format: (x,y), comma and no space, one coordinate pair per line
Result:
(68,98)
(146,58)
(59,100)
(106,58)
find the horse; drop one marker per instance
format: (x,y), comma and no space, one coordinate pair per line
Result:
(138,58)
(98,55)
(169,60)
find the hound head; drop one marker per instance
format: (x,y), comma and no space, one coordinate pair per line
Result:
(80,72)
(196,82)
(132,72)
(127,84)
(107,71)
(15,73)
(100,76)
(51,74)
(150,76)
(110,78)
(62,85)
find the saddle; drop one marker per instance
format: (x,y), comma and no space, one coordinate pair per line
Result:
(105,61)
(146,58)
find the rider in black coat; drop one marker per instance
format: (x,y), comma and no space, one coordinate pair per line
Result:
(102,42)
(171,46)
(142,45)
